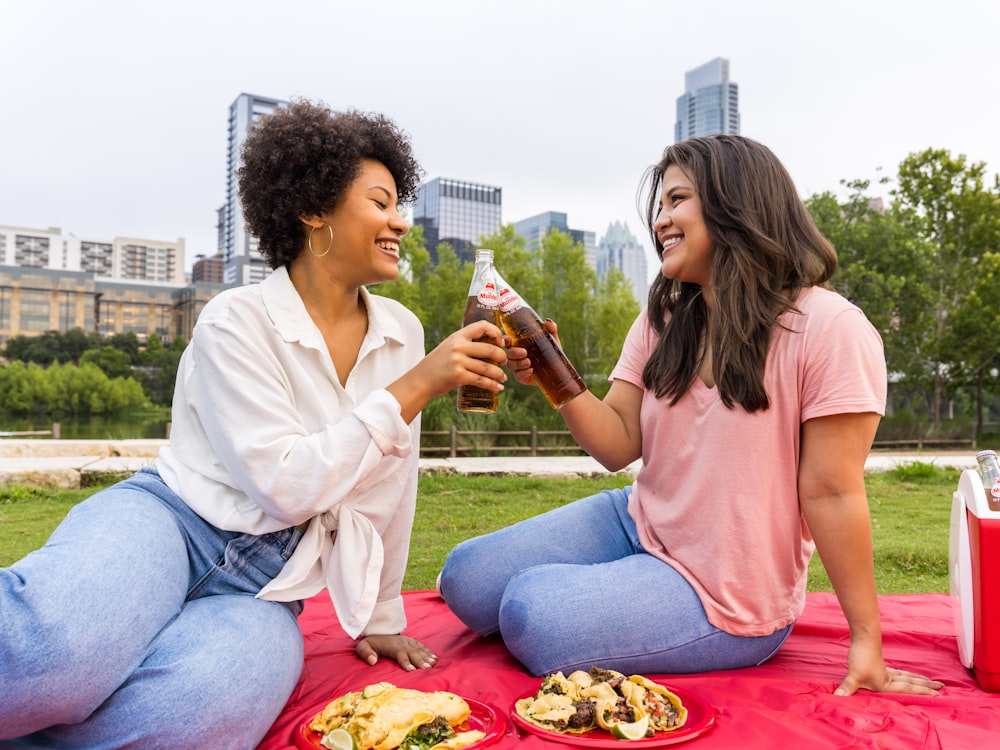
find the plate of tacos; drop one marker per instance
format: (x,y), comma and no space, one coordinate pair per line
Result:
(382,716)
(603,708)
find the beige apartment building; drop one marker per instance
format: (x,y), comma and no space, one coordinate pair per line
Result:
(55,282)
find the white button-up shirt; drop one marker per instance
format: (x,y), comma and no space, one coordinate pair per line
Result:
(264,437)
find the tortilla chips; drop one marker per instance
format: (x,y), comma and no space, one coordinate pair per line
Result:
(383,716)
(599,699)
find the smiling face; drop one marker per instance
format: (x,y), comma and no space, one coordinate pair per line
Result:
(680,229)
(367,228)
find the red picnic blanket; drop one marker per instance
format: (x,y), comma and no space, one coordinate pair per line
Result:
(786,703)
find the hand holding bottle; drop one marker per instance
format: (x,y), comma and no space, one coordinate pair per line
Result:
(482,304)
(473,355)
(551,370)
(518,361)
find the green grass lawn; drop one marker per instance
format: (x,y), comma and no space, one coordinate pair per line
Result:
(910,510)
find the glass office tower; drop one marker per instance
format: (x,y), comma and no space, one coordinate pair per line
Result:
(709,104)
(456,212)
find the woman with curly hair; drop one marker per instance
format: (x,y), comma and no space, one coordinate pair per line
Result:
(162,611)
(751,391)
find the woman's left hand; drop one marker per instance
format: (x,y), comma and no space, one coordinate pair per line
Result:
(410,653)
(872,674)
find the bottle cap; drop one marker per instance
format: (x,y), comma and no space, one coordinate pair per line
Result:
(985,454)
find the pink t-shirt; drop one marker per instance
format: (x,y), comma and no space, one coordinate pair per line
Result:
(717,495)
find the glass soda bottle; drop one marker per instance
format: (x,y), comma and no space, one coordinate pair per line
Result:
(482,304)
(989,470)
(553,373)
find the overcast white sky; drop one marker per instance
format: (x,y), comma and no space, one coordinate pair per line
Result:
(113,113)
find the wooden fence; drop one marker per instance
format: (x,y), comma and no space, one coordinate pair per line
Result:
(535,442)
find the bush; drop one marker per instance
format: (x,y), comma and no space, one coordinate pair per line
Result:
(66,390)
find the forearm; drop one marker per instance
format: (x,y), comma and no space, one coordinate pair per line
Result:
(841,527)
(602,431)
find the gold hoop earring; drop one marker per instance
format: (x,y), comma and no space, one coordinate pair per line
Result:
(310,243)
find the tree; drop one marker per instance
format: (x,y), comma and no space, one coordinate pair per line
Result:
(882,268)
(159,372)
(615,309)
(127,343)
(51,346)
(113,362)
(955,217)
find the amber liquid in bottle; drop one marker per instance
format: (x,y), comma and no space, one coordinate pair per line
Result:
(482,304)
(552,371)
(472,398)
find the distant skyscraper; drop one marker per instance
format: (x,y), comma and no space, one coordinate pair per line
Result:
(535,227)
(456,212)
(710,103)
(620,249)
(243,262)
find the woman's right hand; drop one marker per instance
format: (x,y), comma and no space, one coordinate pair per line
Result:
(461,359)
(517,357)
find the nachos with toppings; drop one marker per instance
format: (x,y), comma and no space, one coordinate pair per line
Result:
(386,717)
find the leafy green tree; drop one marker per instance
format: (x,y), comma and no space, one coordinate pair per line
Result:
(51,346)
(883,269)
(127,343)
(154,348)
(66,389)
(159,371)
(614,310)
(567,293)
(955,217)
(113,362)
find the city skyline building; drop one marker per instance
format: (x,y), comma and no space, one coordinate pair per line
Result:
(243,262)
(458,212)
(50,281)
(709,104)
(121,258)
(211,269)
(34,300)
(534,228)
(620,249)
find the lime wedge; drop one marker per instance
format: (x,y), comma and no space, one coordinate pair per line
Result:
(339,739)
(635,730)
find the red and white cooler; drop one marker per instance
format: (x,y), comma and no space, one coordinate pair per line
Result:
(974,572)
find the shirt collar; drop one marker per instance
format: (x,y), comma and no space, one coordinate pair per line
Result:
(288,313)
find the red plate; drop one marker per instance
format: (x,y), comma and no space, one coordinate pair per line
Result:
(700,719)
(484,717)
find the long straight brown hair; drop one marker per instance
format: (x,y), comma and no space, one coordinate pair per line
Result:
(766,248)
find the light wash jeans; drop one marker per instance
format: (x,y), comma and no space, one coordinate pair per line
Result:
(136,626)
(573,588)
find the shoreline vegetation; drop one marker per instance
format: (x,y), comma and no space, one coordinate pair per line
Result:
(910,510)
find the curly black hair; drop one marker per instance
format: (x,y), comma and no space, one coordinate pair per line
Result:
(299,160)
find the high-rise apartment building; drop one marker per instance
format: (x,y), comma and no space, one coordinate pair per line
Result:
(709,104)
(535,227)
(620,249)
(123,258)
(456,212)
(243,262)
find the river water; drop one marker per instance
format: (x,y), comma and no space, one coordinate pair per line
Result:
(122,427)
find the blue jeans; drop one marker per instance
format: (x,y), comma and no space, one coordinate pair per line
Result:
(573,588)
(136,625)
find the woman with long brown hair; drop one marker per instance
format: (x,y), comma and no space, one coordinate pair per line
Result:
(751,391)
